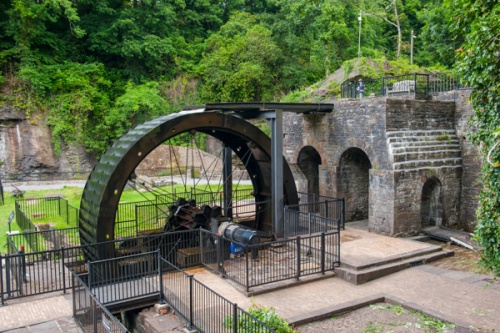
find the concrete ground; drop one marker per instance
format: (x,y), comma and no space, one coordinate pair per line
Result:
(471,301)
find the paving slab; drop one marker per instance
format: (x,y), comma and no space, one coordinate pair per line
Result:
(32,311)
(360,248)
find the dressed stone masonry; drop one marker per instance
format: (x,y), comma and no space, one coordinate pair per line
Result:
(399,163)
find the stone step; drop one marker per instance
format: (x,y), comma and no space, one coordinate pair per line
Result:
(443,133)
(360,275)
(426,155)
(408,146)
(433,163)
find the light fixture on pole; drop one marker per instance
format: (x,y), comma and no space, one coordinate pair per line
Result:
(411,47)
(359,36)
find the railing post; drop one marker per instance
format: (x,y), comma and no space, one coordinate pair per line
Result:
(1,280)
(342,214)
(235,318)
(160,278)
(90,269)
(286,218)
(323,253)
(74,294)
(191,301)
(297,277)
(23,264)
(136,222)
(7,274)
(63,270)
(415,82)
(247,275)
(309,222)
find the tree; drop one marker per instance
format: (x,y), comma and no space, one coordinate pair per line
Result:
(437,42)
(32,28)
(479,66)
(388,11)
(241,62)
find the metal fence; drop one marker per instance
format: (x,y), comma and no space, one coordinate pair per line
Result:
(202,308)
(300,221)
(409,84)
(44,208)
(132,277)
(28,274)
(38,241)
(255,265)
(319,205)
(89,312)
(22,220)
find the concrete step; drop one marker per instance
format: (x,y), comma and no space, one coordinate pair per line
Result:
(360,275)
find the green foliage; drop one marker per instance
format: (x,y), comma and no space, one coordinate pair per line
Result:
(181,91)
(139,103)
(241,62)
(437,41)
(478,66)
(78,101)
(267,315)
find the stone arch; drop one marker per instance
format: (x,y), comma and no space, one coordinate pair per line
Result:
(353,183)
(431,205)
(308,162)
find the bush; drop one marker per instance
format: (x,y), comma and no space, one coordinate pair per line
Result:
(265,314)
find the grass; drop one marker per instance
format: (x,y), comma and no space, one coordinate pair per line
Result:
(74,195)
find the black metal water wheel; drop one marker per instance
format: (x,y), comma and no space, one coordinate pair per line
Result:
(105,184)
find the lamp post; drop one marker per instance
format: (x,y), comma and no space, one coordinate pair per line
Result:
(411,47)
(359,36)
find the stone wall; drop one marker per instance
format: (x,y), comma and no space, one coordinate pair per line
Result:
(471,158)
(419,115)
(360,127)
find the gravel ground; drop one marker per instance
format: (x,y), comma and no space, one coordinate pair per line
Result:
(379,317)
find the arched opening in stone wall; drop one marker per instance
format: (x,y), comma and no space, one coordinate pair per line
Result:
(431,211)
(309,161)
(354,183)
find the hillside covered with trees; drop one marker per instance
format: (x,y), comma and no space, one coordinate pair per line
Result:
(94,69)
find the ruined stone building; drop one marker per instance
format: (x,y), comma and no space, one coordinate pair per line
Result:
(401,163)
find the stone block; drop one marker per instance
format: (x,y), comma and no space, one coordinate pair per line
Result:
(162,308)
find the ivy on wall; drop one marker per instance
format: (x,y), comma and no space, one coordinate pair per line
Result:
(479,67)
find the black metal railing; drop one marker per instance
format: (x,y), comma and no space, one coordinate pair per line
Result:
(125,278)
(408,84)
(202,308)
(22,220)
(184,248)
(37,241)
(89,312)
(278,260)
(319,205)
(49,207)
(34,274)
(302,222)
